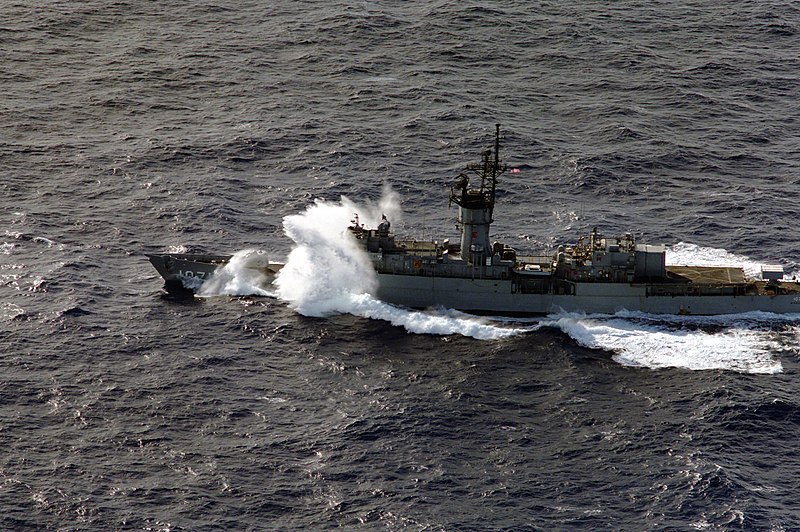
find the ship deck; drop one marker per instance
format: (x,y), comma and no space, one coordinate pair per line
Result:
(727,276)
(714,275)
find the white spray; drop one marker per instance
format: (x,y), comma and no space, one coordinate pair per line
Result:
(243,275)
(328,273)
(652,341)
(326,269)
(683,254)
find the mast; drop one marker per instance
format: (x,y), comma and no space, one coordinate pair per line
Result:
(476,203)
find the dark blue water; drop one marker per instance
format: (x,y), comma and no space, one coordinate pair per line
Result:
(131,127)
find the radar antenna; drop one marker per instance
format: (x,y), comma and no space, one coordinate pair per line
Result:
(482,196)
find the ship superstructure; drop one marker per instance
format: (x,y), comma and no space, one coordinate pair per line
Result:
(597,274)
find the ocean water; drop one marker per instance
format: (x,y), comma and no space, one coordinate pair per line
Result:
(256,128)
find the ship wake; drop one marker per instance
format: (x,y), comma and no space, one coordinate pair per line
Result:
(746,343)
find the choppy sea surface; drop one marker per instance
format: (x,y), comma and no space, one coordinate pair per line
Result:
(136,127)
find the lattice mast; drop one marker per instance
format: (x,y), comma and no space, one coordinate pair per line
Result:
(476,203)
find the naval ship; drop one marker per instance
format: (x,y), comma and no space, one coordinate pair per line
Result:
(597,274)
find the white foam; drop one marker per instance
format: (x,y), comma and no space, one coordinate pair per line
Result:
(242,276)
(646,340)
(42,240)
(326,266)
(434,321)
(180,248)
(9,311)
(328,273)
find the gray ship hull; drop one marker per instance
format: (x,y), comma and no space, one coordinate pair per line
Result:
(184,271)
(488,296)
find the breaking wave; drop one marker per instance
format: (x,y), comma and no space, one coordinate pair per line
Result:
(328,273)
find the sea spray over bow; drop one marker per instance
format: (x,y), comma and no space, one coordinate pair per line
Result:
(326,269)
(328,272)
(243,275)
